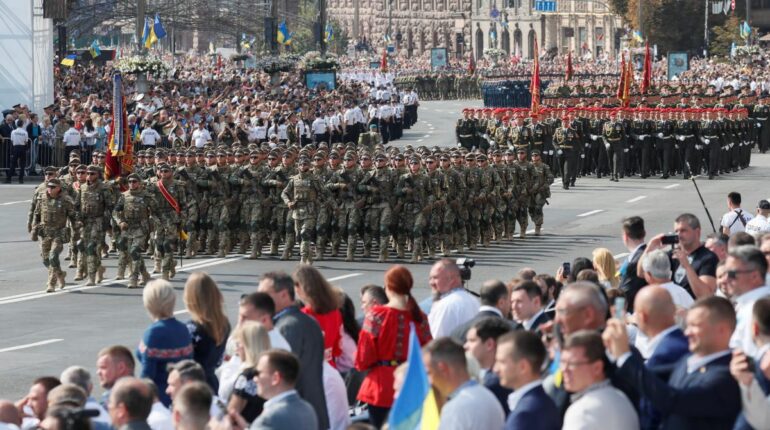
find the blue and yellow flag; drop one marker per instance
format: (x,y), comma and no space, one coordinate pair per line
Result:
(69,60)
(149,37)
(157,28)
(329,33)
(94,49)
(284,37)
(638,36)
(409,410)
(745,30)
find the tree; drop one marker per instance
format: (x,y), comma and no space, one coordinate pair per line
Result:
(304,40)
(724,36)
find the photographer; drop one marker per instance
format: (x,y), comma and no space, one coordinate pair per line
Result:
(693,265)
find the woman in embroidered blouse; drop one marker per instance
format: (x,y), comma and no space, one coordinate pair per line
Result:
(383,343)
(322,303)
(251,340)
(166,340)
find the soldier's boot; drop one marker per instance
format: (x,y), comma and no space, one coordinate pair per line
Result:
(172,271)
(351,251)
(335,248)
(100,274)
(287,249)
(73,261)
(121,272)
(156,267)
(61,279)
(221,253)
(273,247)
(80,275)
(383,252)
(133,282)
(367,251)
(523,233)
(189,253)
(416,252)
(256,247)
(91,279)
(538,227)
(145,276)
(50,285)
(69,254)
(400,250)
(319,250)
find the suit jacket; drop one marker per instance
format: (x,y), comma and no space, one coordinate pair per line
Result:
(492,382)
(534,411)
(541,319)
(135,425)
(291,412)
(672,347)
(630,282)
(461,331)
(307,342)
(708,398)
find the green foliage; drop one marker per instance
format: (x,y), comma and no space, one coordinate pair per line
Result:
(304,40)
(724,36)
(620,7)
(676,25)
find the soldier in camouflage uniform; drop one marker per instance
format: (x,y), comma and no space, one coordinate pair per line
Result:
(218,235)
(274,183)
(542,178)
(414,189)
(491,189)
(326,208)
(439,189)
(476,188)
(378,185)
(50,172)
(506,190)
(343,184)
(524,191)
(456,213)
(94,201)
(173,207)
(132,214)
(70,185)
(255,211)
(52,212)
(301,196)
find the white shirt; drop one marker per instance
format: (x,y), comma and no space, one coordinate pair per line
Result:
(160,417)
(516,395)
(646,346)
(744,305)
(453,309)
(601,406)
(528,323)
(680,296)
(230,369)
(19,137)
(278,341)
(71,137)
(336,398)
(149,137)
(200,137)
(319,126)
(282,133)
(730,220)
(758,226)
(473,407)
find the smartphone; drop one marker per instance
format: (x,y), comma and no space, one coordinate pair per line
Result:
(751,365)
(565,269)
(620,308)
(670,239)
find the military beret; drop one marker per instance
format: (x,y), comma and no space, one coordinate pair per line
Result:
(535,152)
(51,169)
(134,176)
(93,168)
(53,183)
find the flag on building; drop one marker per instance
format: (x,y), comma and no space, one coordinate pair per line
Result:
(415,407)
(534,85)
(329,33)
(646,70)
(284,36)
(94,49)
(157,28)
(119,160)
(69,60)
(568,75)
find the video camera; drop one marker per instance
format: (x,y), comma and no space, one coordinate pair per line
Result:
(465,265)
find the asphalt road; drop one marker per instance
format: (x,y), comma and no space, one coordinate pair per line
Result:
(41,334)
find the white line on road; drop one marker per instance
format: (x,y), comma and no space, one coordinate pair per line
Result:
(181,311)
(30,345)
(621,255)
(668,187)
(589,213)
(420,140)
(13,203)
(636,199)
(339,278)
(427,135)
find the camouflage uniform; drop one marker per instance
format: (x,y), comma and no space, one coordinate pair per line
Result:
(542,178)
(344,184)
(415,191)
(524,195)
(48,224)
(301,196)
(169,222)
(94,203)
(275,182)
(132,214)
(454,235)
(377,185)
(325,212)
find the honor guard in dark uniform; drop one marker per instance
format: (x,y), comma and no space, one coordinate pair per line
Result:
(465,130)
(521,135)
(613,134)
(566,140)
(710,138)
(665,143)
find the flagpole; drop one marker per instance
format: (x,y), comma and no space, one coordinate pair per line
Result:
(141,5)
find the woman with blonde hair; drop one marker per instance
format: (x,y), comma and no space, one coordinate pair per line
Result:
(166,340)
(604,264)
(251,340)
(208,323)
(322,303)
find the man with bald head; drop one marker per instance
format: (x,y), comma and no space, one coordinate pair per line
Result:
(130,404)
(581,306)
(452,304)
(9,413)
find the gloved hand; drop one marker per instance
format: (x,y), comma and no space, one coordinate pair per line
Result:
(607,145)
(707,141)
(559,152)
(660,135)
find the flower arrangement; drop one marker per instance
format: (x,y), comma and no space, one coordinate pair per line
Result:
(276,63)
(239,57)
(746,51)
(494,53)
(136,65)
(313,60)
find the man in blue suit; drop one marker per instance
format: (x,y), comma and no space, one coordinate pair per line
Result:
(518,360)
(633,239)
(663,342)
(700,393)
(481,343)
(276,376)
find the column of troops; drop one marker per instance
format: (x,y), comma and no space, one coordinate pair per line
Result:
(254,199)
(619,142)
(441,86)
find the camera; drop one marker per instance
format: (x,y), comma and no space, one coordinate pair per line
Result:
(670,239)
(565,269)
(464,265)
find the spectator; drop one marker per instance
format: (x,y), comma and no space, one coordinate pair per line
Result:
(596,403)
(633,239)
(481,343)
(191,407)
(208,325)
(350,331)
(276,377)
(304,336)
(160,416)
(383,345)
(551,290)
(35,404)
(764,246)
(130,404)
(527,306)
(452,304)
(735,219)
(746,268)
(113,363)
(73,397)
(466,404)
(82,378)
(252,340)
(259,307)
(372,295)
(657,271)
(526,274)
(65,417)
(166,340)
(604,264)
(693,266)
(717,243)
(518,360)
(494,304)
(10,416)
(700,392)
(741,238)
(185,372)
(336,398)
(589,275)
(760,224)
(322,303)
(755,383)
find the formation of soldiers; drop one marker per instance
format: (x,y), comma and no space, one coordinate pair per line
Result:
(618,142)
(442,85)
(255,199)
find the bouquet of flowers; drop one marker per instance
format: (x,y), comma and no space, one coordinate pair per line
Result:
(239,57)
(276,63)
(313,60)
(495,54)
(136,65)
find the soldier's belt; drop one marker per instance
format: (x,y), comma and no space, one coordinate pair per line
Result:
(537,143)
(711,137)
(615,139)
(466,135)
(565,147)
(688,135)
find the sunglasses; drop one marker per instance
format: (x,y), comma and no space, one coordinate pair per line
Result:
(253,157)
(733,274)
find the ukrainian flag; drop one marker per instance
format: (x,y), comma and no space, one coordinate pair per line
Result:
(157,27)
(149,37)
(94,49)
(415,407)
(284,37)
(329,33)
(69,60)
(638,36)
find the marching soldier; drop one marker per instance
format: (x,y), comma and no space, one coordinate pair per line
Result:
(520,135)
(542,178)
(377,185)
(414,189)
(132,213)
(52,212)
(465,130)
(613,135)
(173,207)
(566,142)
(301,197)
(94,200)
(344,184)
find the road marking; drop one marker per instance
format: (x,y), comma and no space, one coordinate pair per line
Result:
(636,199)
(420,140)
(621,255)
(589,213)
(339,278)
(31,345)
(13,203)
(181,311)
(427,135)
(668,187)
